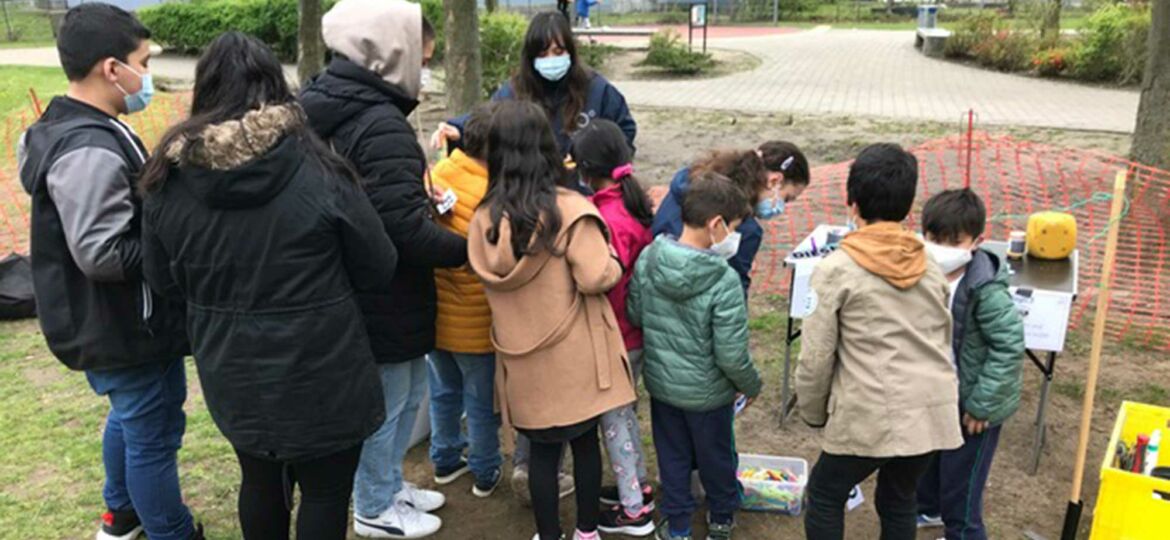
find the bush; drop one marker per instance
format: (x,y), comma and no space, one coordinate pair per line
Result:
(970,32)
(1112,44)
(668,53)
(1051,62)
(501,37)
(1007,51)
(595,55)
(189,27)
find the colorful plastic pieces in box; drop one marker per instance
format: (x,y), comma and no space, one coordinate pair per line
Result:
(772,475)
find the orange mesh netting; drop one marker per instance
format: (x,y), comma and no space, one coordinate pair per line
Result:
(1015,178)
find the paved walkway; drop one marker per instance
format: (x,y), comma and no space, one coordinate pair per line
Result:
(844,72)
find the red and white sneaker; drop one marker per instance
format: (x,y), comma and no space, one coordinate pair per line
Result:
(120,526)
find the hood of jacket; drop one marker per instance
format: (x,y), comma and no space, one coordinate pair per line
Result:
(890,251)
(984,268)
(680,272)
(382,36)
(345,90)
(680,184)
(501,269)
(241,163)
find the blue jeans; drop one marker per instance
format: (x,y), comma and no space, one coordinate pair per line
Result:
(459,383)
(379,473)
(144,431)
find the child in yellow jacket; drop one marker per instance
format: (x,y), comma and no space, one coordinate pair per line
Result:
(462,368)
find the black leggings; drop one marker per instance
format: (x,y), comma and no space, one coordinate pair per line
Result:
(266,496)
(542,483)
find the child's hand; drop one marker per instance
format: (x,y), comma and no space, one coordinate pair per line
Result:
(973,425)
(437,194)
(444,134)
(746,403)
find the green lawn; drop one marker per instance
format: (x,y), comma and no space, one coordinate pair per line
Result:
(29,29)
(18,79)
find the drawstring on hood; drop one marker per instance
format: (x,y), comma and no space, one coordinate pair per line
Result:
(890,251)
(383,36)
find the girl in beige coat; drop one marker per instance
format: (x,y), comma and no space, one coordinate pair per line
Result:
(542,252)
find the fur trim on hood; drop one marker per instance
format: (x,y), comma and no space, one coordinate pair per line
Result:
(230,144)
(383,36)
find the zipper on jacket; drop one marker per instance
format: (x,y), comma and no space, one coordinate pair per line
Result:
(147,307)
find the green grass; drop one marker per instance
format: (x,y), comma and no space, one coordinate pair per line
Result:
(28,28)
(17,81)
(50,429)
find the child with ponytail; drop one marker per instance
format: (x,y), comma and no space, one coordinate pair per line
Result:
(603,159)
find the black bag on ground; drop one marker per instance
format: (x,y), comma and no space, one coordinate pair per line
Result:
(16,288)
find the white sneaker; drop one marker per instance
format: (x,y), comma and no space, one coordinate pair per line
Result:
(399,521)
(423,500)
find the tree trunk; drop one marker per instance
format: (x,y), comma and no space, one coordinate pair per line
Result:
(889,7)
(310,47)
(464,70)
(491,5)
(1151,135)
(1050,31)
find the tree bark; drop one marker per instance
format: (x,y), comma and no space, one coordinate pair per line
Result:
(464,68)
(310,47)
(1051,28)
(1151,135)
(491,5)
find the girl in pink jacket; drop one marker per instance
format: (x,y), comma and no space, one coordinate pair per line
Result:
(603,159)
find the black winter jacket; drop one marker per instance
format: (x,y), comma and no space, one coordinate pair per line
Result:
(267,249)
(80,166)
(364,119)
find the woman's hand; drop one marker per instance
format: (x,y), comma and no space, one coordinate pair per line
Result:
(444,134)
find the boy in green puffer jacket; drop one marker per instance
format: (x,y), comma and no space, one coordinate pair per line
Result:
(988,345)
(690,306)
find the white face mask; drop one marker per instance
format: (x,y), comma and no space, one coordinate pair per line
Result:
(425,78)
(729,246)
(948,258)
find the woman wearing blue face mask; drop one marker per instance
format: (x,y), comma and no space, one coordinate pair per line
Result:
(774,174)
(553,76)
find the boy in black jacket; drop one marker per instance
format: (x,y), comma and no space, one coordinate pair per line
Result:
(359,104)
(80,164)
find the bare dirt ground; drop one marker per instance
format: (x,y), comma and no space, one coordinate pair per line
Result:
(1016,501)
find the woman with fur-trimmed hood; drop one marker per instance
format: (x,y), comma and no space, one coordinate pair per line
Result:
(267,235)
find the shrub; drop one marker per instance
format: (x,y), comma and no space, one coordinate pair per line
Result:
(1007,51)
(189,27)
(668,53)
(501,37)
(1112,44)
(1051,62)
(971,31)
(595,55)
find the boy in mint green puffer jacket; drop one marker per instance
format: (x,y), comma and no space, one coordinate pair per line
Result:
(692,311)
(988,349)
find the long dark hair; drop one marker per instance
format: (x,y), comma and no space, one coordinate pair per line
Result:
(544,30)
(745,168)
(599,150)
(524,169)
(236,74)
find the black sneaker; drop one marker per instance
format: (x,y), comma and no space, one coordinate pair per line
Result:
(484,487)
(448,475)
(120,526)
(610,497)
(614,519)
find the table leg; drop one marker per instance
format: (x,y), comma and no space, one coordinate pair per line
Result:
(785,386)
(1041,411)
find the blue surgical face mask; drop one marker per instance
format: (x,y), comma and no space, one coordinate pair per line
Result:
(138,101)
(770,207)
(553,68)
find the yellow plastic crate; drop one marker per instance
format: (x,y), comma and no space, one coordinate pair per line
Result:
(1128,505)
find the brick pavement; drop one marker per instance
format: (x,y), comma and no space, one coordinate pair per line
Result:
(879,73)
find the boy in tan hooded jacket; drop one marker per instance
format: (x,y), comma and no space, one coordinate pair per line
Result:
(875,369)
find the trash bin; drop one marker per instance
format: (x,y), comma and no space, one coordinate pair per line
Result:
(928,16)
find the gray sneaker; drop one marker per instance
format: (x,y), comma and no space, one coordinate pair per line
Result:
(719,531)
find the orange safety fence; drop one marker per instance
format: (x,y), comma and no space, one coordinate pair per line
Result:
(1014,177)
